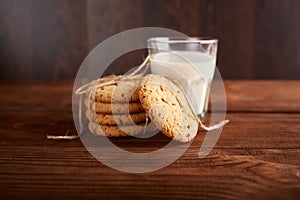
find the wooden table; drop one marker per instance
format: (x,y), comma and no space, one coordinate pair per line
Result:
(256,157)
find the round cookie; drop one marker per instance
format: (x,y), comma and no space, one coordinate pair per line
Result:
(168,108)
(118,108)
(122,91)
(123,119)
(116,131)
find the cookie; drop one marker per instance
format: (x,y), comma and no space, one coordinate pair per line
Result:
(118,131)
(122,119)
(168,108)
(122,91)
(117,108)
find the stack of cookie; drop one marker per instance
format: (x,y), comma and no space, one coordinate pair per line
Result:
(116,109)
(122,109)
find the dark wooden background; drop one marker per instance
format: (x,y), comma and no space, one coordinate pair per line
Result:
(48,39)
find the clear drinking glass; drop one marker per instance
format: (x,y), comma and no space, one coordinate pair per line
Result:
(190,62)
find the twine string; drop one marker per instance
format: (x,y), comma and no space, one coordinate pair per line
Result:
(63,137)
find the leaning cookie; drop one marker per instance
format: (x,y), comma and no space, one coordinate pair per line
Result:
(168,108)
(122,119)
(117,108)
(119,131)
(121,92)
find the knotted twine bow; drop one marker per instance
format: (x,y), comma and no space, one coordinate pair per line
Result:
(140,71)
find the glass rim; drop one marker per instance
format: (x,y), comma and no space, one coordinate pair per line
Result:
(174,40)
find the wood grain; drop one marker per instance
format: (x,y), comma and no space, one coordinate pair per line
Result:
(263,96)
(16,39)
(42,40)
(65,49)
(48,40)
(242,96)
(274,39)
(241,166)
(257,155)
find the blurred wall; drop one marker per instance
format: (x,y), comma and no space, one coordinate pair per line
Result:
(48,39)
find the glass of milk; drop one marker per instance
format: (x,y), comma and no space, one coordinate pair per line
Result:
(190,62)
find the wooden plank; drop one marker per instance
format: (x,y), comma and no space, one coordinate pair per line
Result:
(42,40)
(257,155)
(263,96)
(241,166)
(246,131)
(234,26)
(59,38)
(272,55)
(49,39)
(36,95)
(122,16)
(242,96)
(233,177)
(16,55)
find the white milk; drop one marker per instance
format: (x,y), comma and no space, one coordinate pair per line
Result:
(195,81)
